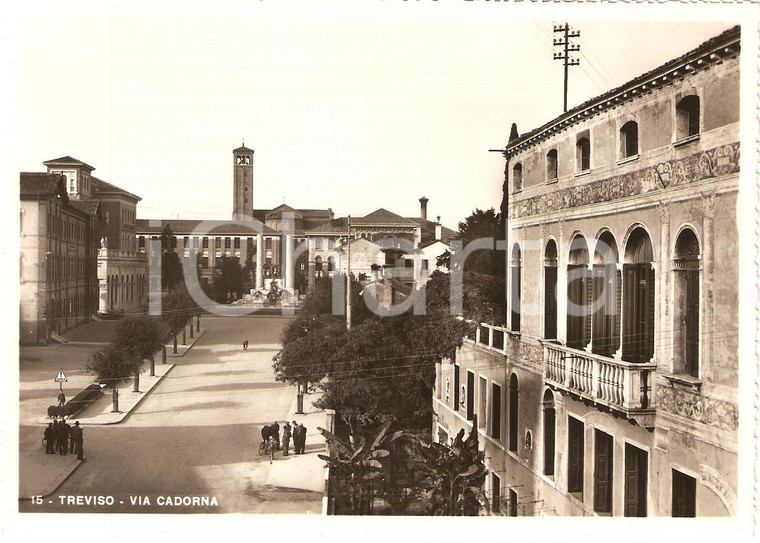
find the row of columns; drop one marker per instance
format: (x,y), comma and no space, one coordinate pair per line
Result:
(288,275)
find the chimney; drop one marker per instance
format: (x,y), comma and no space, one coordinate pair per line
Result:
(423,208)
(438,228)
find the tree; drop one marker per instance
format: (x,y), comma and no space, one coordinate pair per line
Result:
(455,474)
(483,224)
(111,366)
(228,282)
(139,337)
(381,369)
(177,309)
(171,267)
(356,465)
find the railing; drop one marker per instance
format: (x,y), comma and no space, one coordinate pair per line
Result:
(615,383)
(490,337)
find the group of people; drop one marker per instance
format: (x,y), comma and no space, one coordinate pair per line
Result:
(297,432)
(63,438)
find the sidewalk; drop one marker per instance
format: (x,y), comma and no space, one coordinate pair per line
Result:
(304,471)
(41,474)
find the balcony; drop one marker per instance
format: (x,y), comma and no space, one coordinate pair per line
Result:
(622,387)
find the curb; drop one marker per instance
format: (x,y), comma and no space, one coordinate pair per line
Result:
(139,401)
(58,481)
(189,345)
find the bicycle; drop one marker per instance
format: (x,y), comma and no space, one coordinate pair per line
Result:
(262,448)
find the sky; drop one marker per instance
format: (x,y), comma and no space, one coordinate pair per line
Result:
(352,109)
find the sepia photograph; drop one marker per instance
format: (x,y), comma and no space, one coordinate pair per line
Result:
(281,262)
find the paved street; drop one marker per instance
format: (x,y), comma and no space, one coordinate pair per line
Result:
(195,434)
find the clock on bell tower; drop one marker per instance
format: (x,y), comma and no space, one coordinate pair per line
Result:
(242,197)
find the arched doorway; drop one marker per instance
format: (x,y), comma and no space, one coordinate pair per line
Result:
(638,298)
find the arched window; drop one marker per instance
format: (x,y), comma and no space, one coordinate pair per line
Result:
(318,266)
(687,117)
(629,139)
(330,263)
(583,154)
(551,165)
(638,298)
(517,178)
(513,412)
(605,327)
(686,306)
(550,430)
(515,294)
(579,293)
(550,290)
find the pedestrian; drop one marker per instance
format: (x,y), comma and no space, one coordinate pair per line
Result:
(49,439)
(61,399)
(77,440)
(300,442)
(55,435)
(276,433)
(285,438)
(63,437)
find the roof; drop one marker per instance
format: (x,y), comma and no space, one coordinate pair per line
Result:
(711,51)
(195,227)
(34,185)
(68,161)
(243,149)
(428,232)
(278,211)
(102,187)
(334,226)
(90,207)
(382,217)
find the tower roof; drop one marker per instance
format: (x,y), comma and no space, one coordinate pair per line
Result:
(68,161)
(243,149)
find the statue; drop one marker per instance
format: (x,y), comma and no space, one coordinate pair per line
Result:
(104,242)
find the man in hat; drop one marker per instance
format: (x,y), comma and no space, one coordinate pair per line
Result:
(63,437)
(77,440)
(49,439)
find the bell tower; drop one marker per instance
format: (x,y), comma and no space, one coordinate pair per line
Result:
(242,197)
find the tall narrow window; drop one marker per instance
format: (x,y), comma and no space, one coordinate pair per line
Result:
(551,165)
(495,411)
(482,402)
(578,295)
(517,178)
(629,139)
(495,493)
(512,503)
(550,431)
(684,503)
(686,310)
(470,395)
(602,472)
(513,412)
(687,117)
(638,298)
(606,297)
(516,290)
(635,481)
(583,154)
(456,387)
(575,452)
(550,290)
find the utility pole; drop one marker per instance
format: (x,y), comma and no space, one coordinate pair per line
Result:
(348,278)
(564,55)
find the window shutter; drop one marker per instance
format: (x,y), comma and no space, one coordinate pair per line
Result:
(603,473)
(574,310)
(575,456)
(456,387)
(691,350)
(629,303)
(615,342)
(651,303)
(550,302)
(588,304)
(599,343)
(549,435)
(635,482)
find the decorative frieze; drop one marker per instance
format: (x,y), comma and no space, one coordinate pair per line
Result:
(699,408)
(721,160)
